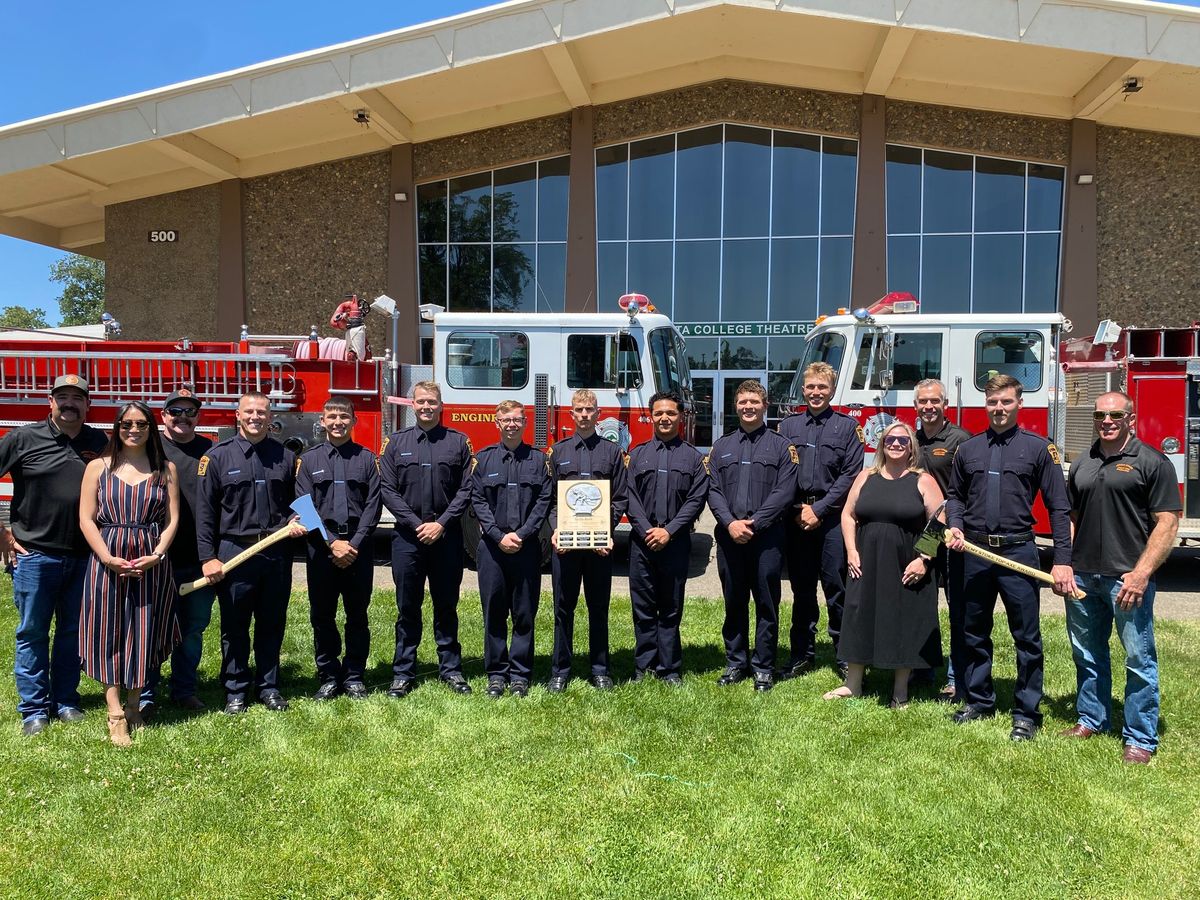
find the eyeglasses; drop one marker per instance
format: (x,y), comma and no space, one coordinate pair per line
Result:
(1115,414)
(900,440)
(510,421)
(177,411)
(133,425)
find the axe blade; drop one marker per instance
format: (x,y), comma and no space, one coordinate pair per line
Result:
(930,540)
(303,507)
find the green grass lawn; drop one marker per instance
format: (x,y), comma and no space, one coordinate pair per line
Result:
(646,791)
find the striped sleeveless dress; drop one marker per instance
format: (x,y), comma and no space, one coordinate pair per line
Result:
(127,626)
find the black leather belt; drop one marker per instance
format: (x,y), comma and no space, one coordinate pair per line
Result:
(248,540)
(343,529)
(998,540)
(810,499)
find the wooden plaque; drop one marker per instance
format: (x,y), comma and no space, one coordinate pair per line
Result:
(584,514)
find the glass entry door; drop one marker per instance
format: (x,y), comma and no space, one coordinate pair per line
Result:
(726,420)
(702,399)
(715,398)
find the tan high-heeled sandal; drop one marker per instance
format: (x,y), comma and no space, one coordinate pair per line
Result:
(118,730)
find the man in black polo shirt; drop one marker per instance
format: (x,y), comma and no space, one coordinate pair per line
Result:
(47,550)
(1125,508)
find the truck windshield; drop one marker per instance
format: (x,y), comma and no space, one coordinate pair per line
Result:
(828,347)
(669,363)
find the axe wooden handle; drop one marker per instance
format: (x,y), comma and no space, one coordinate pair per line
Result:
(999,560)
(273,538)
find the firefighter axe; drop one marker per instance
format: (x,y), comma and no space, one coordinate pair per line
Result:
(307,516)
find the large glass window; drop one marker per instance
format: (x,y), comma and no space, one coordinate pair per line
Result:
(1015,353)
(494,359)
(495,241)
(973,233)
(608,361)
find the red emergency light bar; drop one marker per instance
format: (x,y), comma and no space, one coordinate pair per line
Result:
(895,302)
(635,303)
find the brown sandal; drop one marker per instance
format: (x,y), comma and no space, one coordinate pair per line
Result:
(118,730)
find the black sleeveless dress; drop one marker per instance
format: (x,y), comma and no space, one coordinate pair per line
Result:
(887,624)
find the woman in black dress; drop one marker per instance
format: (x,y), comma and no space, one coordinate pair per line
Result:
(891,600)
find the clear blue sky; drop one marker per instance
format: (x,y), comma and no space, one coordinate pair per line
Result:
(60,54)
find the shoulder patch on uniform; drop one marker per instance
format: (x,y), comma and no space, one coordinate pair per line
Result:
(625,458)
(383,446)
(860,434)
(705,461)
(296,471)
(1054,454)
(202,468)
(793,454)
(470,449)
(474,465)
(549,451)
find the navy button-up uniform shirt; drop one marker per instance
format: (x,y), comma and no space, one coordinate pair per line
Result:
(593,458)
(425,475)
(510,491)
(667,486)
(937,452)
(771,487)
(235,477)
(831,456)
(1027,465)
(318,475)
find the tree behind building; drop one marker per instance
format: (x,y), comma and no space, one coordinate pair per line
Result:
(82,299)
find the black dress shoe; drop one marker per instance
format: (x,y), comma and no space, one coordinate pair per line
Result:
(36,725)
(972,713)
(731,676)
(557,684)
(273,700)
(601,682)
(641,675)
(401,687)
(1022,730)
(355,690)
(71,714)
(763,681)
(235,706)
(519,688)
(456,683)
(495,688)
(191,703)
(327,691)
(674,679)
(796,670)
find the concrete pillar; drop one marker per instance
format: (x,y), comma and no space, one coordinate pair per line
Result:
(1078,272)
(869,279)
(581,216)
(402,252)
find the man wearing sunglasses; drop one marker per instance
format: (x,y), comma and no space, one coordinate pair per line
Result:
(185,448)
(1125,508)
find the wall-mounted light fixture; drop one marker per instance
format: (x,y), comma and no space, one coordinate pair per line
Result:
(1084,179)
(1133,84)
(400,196)
(362,116)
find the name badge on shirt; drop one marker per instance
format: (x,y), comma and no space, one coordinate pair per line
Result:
(234,472)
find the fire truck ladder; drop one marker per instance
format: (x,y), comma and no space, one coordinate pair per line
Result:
(218,379)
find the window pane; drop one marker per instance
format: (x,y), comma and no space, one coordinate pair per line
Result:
(838,175)
(903,190)
(702,353)
(698,280)
(947,192)
(915,357)
(602,361)
(432,270)
(744,283)
(1041,272)
(552,277)
(743,353)
(794,279)
(863,362)
(470,208)
(553,181)
(837,259)
(651,187)
(498,359)
(514,204)
(946,274)
(610,274)
(431,213)
(777,392)
(513,286)
(904,266)
(747,181)
(470,285)
(1016,353)
(998,267)
(612,173)
(784,353)
(698,196)
(1045,198)
(999,194)
(650,273)
(795,197)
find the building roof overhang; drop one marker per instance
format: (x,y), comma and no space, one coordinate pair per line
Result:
(524,59)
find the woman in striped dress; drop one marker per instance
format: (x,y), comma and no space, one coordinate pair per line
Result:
(128,511)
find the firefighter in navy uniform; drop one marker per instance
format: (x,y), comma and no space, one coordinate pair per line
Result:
(830,449)
(343,478)
(426,485)
(752,483)
(510,492)
(666,489)
(995,478)
(585,454)
(246,485)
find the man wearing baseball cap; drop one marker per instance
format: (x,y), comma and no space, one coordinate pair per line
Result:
(180,414)
(47,551)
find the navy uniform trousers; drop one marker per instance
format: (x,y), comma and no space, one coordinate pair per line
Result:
(981,581)
(656,585)
(594,573)
(509,585)
(442,564)
(258,589)
(326,582)
(812,555)
(755,568)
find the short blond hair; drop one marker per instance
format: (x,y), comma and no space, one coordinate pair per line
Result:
(584,395)
(508,406)
(913,449)
(431,387)
(821,370)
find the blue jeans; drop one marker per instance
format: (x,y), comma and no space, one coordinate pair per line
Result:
(194,611)
(1089,624)
(47,587)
